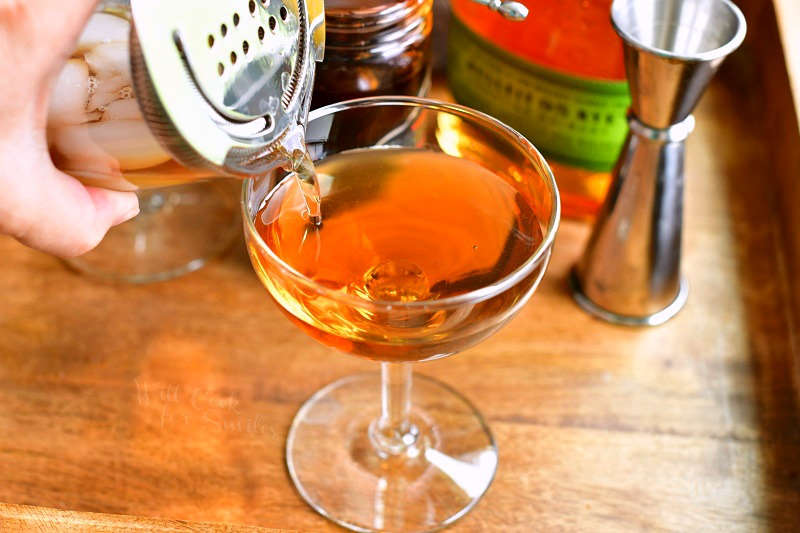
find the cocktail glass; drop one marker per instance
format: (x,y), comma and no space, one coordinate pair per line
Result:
(372,452)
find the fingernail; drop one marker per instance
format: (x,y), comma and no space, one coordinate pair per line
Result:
(129,214)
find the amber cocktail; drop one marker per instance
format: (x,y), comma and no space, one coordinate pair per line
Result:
(437,226)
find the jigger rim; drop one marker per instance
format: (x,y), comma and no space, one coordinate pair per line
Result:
(709,55)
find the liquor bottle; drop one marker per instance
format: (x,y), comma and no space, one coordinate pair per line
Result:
(375,47)
(557,77)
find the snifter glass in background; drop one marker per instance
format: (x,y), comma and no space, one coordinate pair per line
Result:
(96,132)
(373,452)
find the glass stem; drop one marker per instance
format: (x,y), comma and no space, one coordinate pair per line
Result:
(393,433)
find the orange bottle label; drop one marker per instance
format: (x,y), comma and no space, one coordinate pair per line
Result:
(575,120)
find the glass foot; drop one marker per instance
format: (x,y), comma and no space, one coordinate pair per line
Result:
(178,230)
(448,463)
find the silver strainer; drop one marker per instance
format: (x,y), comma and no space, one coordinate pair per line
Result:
(226,84)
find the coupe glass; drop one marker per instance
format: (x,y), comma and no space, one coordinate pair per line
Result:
(371,452)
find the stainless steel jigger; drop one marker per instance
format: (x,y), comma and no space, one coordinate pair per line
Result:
(630,270)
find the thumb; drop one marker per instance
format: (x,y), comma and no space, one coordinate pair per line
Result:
(57,214)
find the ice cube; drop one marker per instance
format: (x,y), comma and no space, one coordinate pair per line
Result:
(106,90)
(122,110)
(103,28)
(70,94)
(106,148)
(72,149)
(129,142)
(109,60)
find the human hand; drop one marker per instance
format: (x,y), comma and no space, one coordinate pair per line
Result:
(40,206)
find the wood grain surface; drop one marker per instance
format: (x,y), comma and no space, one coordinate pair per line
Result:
(778,68)
(788,15)
(21,518)
(170,402)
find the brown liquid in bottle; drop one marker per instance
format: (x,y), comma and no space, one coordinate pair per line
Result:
(374,47)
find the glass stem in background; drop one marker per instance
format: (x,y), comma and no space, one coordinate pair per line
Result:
(393,433)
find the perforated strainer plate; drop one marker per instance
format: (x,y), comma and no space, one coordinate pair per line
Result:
(221,83)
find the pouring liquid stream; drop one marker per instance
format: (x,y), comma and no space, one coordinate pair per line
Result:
(306,176)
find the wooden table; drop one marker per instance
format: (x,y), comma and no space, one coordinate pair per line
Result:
(166,406)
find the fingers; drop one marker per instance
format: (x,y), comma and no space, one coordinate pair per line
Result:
(39,205)
(33,49)
(27,32)
(113,207)
(63,217)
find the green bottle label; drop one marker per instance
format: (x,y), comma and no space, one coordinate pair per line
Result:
(576,121)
